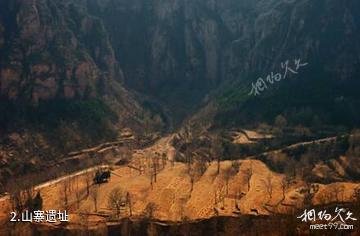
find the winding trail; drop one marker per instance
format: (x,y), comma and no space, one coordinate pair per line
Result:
(60,179)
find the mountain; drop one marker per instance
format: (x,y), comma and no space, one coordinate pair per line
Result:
(64,63)
(57,52)
(324,35)
(196,108)
(61,87)
(178,51)
(53,50)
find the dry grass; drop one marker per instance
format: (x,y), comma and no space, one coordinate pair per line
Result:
(174,198)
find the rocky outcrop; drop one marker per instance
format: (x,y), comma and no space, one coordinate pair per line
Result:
(180,50)
(53,50)
(60,84)
(58,50)
(176,51)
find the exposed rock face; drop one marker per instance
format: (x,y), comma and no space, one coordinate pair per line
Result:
(179,50)
(59,80)
(169,49)
(176,51)
(52,50)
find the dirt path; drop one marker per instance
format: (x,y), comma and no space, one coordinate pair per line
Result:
(60,179)
(296,145)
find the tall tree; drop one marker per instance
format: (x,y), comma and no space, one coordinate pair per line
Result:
(94,194)
(116,201)
(217,151)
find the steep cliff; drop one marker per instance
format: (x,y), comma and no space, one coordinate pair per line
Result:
(57,51)
(60,84)
(51,50)
(180,50)
(325,35)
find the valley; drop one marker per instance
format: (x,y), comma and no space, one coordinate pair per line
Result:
(166,117)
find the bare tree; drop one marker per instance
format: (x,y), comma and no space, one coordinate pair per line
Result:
(21,196)
(151,178)
(128,202)
(248,174)
(138,165)
(215,198)
(222,196)
(88,179)
(238,197)
(78,194)
(284,186)
(196,170)
(200,167)
(309,194)
(230,172)
(172,155)
(182,208)
(116,201)
(227,176)
(65,191)
(155,165)
(235,167)
(192,175)
(163,160)
(29,194)
(219,195)
(268,182)
(94,193)
(216,150)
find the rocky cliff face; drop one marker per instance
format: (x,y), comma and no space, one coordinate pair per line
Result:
(169,49)
(175,51)
(179,50)
(60,83)
(57,50)
(53,50)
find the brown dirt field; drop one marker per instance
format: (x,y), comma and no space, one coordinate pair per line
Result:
(172,193)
